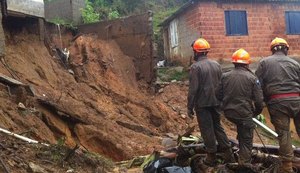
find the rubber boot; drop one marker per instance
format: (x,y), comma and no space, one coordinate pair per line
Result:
(286,167)
(228,156)
(210,159)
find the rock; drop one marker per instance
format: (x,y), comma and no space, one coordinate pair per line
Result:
(70,171)
(171,135)
(71,72)
(36,168)
(168,143)
(183,116)
(173,81)
(21,106)
(161,90)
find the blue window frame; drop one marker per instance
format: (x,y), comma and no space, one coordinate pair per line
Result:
(292,21)
(236,22)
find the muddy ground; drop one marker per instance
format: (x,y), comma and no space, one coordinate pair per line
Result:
(101,107)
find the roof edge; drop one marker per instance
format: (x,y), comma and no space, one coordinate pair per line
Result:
(176,13)
(191,2)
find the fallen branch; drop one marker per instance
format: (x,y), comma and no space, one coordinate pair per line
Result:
(23,138)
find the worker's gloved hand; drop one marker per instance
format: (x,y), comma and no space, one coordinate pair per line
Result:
(190,113)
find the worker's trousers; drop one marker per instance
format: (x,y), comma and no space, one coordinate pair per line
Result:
(281,112)
(245,127)
(211,129)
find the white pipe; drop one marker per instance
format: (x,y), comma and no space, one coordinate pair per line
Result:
(265,127)
(23,138)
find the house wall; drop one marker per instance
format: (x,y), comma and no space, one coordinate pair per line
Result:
(134,36)
(265,22)
(26,7)
(76,6)
(68,10)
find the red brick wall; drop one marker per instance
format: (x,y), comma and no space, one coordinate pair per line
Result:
(265,22)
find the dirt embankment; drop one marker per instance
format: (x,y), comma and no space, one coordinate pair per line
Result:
(102,106)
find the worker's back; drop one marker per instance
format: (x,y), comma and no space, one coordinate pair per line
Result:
(279,74)
(239,89)
(207,72)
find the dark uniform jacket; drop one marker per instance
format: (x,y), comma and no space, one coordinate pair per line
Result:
(204,78)
(278,74)
(238,90)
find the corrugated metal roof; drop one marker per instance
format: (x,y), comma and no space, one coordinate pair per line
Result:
(191,2)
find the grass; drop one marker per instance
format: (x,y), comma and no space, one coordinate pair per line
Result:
(296,142)
(169,74)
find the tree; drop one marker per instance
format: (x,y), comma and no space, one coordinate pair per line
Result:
(88,13)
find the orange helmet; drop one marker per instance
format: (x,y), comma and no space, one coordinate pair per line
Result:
(279,42)
(201,45)
(241,56)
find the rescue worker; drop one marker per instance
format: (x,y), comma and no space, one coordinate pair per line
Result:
(203,80)
(238,89)
(280,79)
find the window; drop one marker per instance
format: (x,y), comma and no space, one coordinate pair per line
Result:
(173,33)
(292,20)
(236,23)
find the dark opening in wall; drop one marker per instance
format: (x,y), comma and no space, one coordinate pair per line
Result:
(16,25)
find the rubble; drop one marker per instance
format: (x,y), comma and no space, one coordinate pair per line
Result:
(36,168)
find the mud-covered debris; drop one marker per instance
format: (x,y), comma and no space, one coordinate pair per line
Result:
(34,168)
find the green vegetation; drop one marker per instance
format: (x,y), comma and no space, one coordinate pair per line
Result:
(62,22)
(88,13)
(172,73)
(110,9)
(296,142)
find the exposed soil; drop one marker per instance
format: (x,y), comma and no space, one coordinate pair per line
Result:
(102,107)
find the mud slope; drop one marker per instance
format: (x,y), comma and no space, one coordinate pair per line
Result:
(101,107)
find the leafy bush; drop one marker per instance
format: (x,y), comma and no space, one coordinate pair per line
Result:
(88,13)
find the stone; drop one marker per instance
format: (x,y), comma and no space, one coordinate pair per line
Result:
(183,116)
(71,72)
(168,143)
(36,168)
(21,106)
(161,90)
(70,171)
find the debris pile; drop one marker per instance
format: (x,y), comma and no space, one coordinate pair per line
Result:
(101,106)
(20,156)
(189,153)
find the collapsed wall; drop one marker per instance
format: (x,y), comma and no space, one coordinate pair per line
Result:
(134,35)
(101,106)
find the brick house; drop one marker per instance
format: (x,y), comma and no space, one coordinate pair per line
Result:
(231,24)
